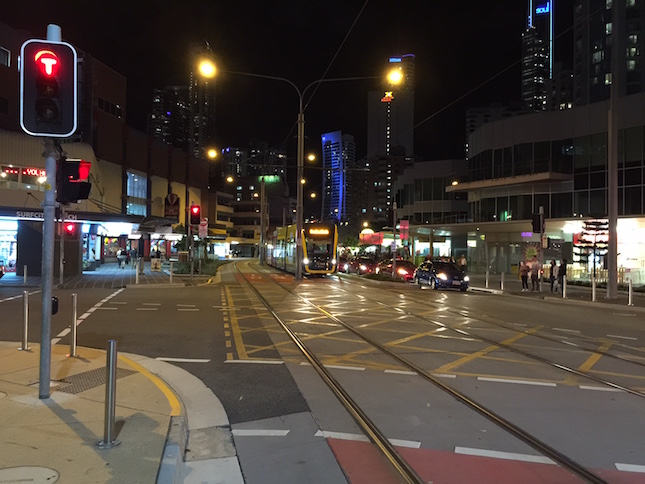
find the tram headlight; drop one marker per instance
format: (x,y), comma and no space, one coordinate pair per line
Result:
(466,278)
(333,261)
(305,261)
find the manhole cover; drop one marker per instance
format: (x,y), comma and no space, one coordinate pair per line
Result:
(35,475)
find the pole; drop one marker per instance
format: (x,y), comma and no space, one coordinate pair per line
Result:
(72,336)
(136,272)
(262,221)
(630,301)
(47,269)
(501,284)
(61,247)
(110,397)
(299,207)
(541,247)
(593,287)
(564,287)
(394,251)
(24,274)
(487,274)
(170,272)
(190,250)
(25,321)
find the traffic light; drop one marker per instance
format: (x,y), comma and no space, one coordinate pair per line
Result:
(71,180)
(195,214)
(537,223)
(48,88)
(70,228)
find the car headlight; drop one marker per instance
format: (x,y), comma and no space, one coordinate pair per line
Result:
(363,267)
(442,276)
(346,267)
(403,272)
(305,261)
(466,278)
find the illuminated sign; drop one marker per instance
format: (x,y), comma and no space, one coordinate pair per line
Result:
(319,231)
(38,172)
(388,97)
(542,9)
(10,171)
(395,59)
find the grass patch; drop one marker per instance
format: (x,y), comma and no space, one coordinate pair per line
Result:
(209,266)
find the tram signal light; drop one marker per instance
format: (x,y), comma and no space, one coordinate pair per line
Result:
(195,214)
(71,180)
(48,88)
(70,228)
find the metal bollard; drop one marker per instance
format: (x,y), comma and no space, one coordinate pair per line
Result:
(564,287)
(109,440)
(200,267)
(72,336)
(170,272)
(593,288)
(487,275)
(25,321)
(630,301)
(501,286)
(136,270)
(24,274)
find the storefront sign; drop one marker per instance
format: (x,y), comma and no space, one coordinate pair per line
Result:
(39,215)
(171,208)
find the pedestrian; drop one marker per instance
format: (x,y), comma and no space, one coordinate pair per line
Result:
(120,256)
(524,275)
(553,276)
(462,263)
(562,273)
(535,273)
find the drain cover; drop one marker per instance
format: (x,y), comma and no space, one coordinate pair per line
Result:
(35,475)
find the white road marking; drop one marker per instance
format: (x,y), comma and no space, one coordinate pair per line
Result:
(443,375)
(401,372)
(83,316)
(147,309)
(261,362)
(64,332)
(629,467)
(503,455)
(187,309)
(336,367)
(520,382)
(186,305)
(259,433)
(118,302)
(599,389)
(151,304)
(182,360)
(108,308)
(622,337)
(564,330)
(362,438)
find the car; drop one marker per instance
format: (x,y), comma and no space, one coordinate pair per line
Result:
(404,269)
(439,274)
(363,265)
(1,270)
(343,264)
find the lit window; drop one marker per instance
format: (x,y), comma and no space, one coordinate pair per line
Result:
(607,78)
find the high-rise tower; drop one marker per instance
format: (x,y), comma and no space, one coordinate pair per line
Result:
(339,154)
(537,54)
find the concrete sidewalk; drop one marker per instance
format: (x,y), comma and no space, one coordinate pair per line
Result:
(55,439)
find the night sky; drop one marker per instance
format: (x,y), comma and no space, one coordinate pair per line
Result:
(458,46)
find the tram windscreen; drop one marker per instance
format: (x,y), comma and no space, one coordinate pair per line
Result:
(318,248)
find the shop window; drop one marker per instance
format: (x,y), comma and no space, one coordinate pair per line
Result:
(581,204)
(633,201)
(598,203)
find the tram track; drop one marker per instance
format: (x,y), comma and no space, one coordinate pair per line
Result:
(368,426)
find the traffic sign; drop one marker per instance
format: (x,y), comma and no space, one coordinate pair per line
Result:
(203,228)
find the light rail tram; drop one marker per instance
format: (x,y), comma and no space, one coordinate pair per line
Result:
(319,248)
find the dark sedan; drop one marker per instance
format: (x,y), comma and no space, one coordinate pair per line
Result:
(404,269)
(441,275)
(363,265)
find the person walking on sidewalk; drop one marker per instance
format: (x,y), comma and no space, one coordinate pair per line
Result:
(524,275)
(553,276)
(535,273)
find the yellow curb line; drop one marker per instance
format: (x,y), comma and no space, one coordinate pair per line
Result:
(175,406)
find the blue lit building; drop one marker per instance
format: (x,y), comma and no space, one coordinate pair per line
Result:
(537,54)
(339,153)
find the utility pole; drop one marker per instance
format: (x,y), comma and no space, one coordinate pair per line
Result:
(61,247)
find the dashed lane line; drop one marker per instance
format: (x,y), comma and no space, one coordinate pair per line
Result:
(622,337)
(519,382)
(599,389)
(629,467)
(504,455)
(257,362)
(412,444)
(259,433)
(85,315)
(182,360)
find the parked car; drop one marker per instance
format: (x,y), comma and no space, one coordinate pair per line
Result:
(437,274)
(1,269)
(404,269)
(363,265)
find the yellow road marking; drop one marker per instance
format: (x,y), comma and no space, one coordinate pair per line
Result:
(175,406)
(468,358)
(595,357)
(229,356)
(237,334)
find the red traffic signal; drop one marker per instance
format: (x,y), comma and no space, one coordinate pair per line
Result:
(48,88)
(70,228)
(71,184)
(195,214)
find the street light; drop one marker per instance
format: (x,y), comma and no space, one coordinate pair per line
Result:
(300,151)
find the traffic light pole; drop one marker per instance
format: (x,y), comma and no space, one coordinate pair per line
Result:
(47,268)
(61,247)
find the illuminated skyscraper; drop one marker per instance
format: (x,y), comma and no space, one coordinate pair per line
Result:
(537,54)
(339,155)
